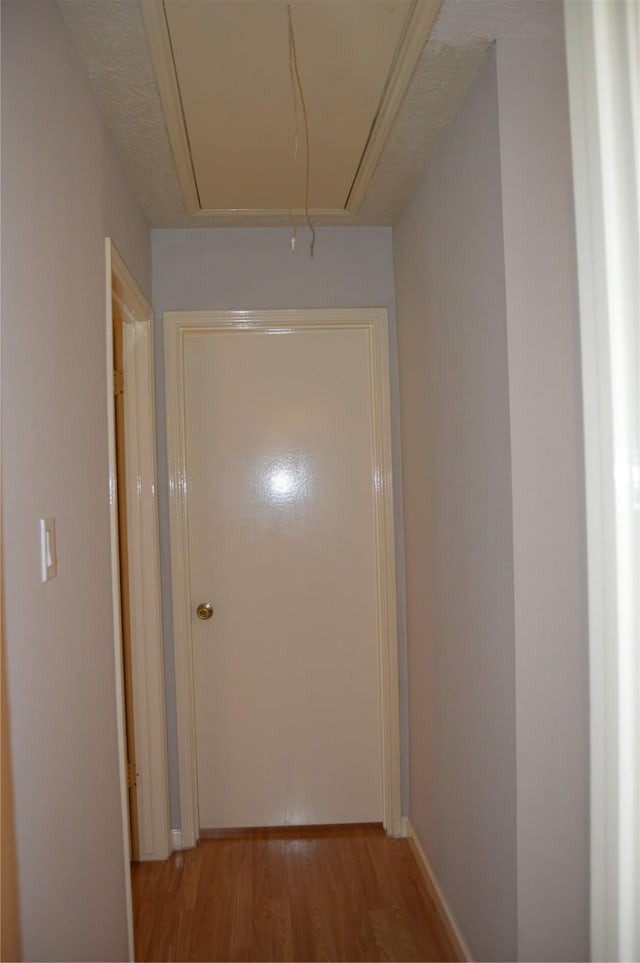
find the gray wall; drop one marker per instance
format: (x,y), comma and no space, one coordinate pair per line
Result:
(255,268)
(452,338)
(62,192)
(491,437)
(548,501)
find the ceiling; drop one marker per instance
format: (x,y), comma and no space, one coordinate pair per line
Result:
(199,98)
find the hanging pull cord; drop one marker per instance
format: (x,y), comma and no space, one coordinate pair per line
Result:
(294,226)
(297,89)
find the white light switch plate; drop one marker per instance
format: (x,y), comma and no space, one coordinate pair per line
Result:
(48,559)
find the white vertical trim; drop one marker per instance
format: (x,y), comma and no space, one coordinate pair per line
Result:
(376,321)
(115,590)
(147,653)
(386,574)
(180,590)
(603,54)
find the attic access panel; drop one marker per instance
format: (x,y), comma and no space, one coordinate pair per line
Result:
(223,70)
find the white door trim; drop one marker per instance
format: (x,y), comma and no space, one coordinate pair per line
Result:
(603,61)
(144,554)
(176,325)
(115,595)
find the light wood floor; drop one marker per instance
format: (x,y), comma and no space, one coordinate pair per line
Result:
(338,893)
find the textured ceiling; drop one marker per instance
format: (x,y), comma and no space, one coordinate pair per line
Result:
(110,39)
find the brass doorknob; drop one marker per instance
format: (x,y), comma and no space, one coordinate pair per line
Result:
(204,611)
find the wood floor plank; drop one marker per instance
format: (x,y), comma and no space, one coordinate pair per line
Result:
(330,893)
(418,900)
(299,874)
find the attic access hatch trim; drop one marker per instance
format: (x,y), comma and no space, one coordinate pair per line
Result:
(416,30)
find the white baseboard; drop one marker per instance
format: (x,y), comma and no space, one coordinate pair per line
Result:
(442,907)
(176,839)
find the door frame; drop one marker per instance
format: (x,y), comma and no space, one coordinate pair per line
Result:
(177,325)
(603,65)
(147,651)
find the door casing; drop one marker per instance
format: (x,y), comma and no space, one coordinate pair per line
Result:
(177,325)
(147,650)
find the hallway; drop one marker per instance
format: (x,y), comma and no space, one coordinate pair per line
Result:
(327,893)
(475,267)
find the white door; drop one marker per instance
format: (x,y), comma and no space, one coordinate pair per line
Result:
(282,473)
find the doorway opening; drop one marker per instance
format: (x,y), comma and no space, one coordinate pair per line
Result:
(136,571)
